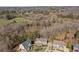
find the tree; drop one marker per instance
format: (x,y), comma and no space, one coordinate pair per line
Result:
(69,45)
(33,35)
(9,17)
(76,35)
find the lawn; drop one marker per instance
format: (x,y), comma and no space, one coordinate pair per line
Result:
(18,20)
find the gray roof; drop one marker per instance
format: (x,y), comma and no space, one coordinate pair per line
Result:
(27,44)
(76,46)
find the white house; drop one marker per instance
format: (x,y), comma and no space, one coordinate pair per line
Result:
(25,46)
(41,41)
(59,46)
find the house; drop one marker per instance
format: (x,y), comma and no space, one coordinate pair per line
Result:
(59,46)
(41,41)
(76,48)
(25,46)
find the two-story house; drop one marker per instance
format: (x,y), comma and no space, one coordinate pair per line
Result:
(59,46)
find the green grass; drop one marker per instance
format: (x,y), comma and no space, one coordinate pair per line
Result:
(21,20)
(18,20)
(38,49)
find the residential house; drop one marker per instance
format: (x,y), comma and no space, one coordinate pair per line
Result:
(41,41)
(25,46)
(76,48)
(59,46)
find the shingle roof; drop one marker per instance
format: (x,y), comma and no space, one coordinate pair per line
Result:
(27,44)
(76,46)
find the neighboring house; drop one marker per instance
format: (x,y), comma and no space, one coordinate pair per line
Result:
(25,46)
(59,46)
(41,41)
(76,48)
